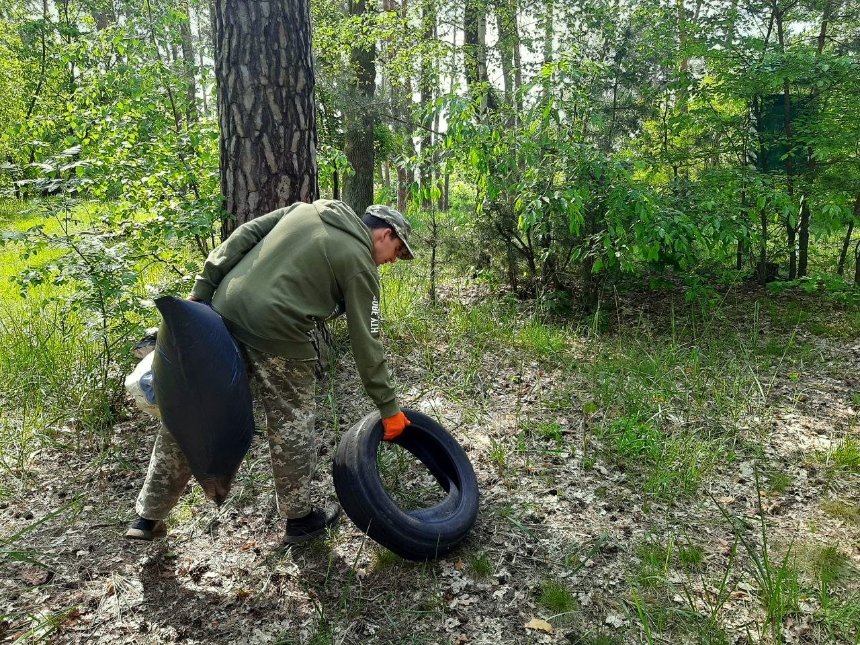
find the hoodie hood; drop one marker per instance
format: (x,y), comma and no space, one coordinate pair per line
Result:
(338,215)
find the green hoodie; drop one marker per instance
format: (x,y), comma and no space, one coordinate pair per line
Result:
(280,273)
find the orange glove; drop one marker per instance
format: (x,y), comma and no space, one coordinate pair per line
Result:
(393,426)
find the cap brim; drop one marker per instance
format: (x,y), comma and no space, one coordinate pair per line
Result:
(406,253)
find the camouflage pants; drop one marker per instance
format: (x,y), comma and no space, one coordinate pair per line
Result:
(286,388)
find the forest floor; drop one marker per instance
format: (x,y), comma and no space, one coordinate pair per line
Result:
(661,481)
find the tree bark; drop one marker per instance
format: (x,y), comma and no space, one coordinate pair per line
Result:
(789,162)
(857,264)
(803,239)
(103,14)
(188,61)
(428,21)
(358,136)
(509,51)
(803,225)
(506,53)
(762,254)
(266,111)
(548,32)
(840,269)
(401,101)
(475,53)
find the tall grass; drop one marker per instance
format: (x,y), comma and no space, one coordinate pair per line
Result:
(48,382)
(65,329)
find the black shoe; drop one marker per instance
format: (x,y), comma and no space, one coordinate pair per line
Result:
(147,530)
(302,529)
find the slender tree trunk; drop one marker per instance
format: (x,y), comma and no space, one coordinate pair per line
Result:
(103,14)
(803,239)
(428,21)
(825,22)
(505,47)
(803,226)
(401,101)
(739,256)
(518,61)
(548,44)
(31,105)
(475,53)
(840,269)
(762,255)
(857,264)
(791,240)
(201,61)
(402,188)
(789,162)
(358,137)
(191,111)
(266,110)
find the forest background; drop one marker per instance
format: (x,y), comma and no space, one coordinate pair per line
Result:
(635,224)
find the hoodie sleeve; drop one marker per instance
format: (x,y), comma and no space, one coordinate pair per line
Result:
(228,254)
(361,294)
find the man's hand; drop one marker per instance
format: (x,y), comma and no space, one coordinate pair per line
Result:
(193,299)
(393,426)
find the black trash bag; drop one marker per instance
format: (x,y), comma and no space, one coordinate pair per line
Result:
(202,390)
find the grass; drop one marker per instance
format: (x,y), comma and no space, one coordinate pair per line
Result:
(672,401)
(541,340)
(846,455)
(778,481)
(547,431)
(840,621)
(666,399)
(407,480)
(384,559)
(668,464)
(777,579)
(839,614)
(61,359)
(498,455)
(556,597)
(654,560)
(841,509)
(480,565)
(829,565)
(691,556)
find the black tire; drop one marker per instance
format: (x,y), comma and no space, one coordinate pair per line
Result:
(420,534)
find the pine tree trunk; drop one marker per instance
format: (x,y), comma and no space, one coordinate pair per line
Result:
(360,119)
(266,111)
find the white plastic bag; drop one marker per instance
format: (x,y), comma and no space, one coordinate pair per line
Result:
(139,385)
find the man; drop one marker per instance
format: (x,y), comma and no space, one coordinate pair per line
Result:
(272,280)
